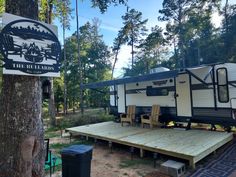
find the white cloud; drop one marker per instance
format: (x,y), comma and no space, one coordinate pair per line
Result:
(110,28)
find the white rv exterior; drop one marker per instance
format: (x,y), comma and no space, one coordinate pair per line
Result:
(204,94)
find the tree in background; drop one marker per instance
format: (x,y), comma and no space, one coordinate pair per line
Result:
(133,30)
(49,10)
(58,90)
(177,12)
(2,6)
(202,39)
(64,15)
(104,4)
(118,42)
(228,37)
(96,66)
(72,68)
(152,51)
(153,48)
(96,61)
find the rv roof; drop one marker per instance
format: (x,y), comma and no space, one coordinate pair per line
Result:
(147,77)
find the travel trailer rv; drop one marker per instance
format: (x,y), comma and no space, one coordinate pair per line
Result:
(204,94)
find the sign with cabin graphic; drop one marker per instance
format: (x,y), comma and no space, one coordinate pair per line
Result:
(29,47)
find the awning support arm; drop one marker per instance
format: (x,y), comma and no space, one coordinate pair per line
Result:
(196,77)
(208,74)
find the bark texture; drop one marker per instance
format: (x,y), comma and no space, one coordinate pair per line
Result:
(51,105)
(21,127)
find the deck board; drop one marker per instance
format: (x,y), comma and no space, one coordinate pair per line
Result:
(192,145)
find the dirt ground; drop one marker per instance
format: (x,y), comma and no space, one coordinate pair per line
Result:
(117,163)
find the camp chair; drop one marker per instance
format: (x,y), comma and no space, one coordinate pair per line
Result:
(153,118)
(48,157)
(129,116)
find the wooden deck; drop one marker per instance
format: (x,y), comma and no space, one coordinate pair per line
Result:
(191,145)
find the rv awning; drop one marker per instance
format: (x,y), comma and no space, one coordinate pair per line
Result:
(147,77)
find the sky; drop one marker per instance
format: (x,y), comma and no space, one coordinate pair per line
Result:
(111,22)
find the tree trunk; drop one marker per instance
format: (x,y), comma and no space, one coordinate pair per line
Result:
(226,17)
(80,63)
(65,74)
(113,67)
(21,127)
(132,49)
(51,105)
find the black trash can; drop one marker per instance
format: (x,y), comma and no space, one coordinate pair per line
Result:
(76,161)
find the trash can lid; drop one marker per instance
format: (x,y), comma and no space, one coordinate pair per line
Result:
(76,149)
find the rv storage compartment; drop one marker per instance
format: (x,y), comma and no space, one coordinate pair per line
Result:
(76,161)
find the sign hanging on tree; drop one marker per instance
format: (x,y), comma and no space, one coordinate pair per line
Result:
(29,47)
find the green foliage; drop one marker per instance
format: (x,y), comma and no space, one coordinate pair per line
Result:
(94,55)
(104,4)
(2,6)
(60,9)
(92,116)
(58,92)
(133,27)
(43,10)
(153,50)
(228,37)
(50,134)
(63,12)
(131,33)
(189,39)
(178,14)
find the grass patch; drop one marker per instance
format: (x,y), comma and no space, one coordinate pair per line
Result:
(130,163)
(52,129)
(59,146)
(51,134)
(91,116)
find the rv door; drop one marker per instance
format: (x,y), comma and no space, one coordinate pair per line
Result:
(183,96)
(121,98)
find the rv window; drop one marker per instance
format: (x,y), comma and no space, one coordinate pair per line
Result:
(222,80)
(156,91)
